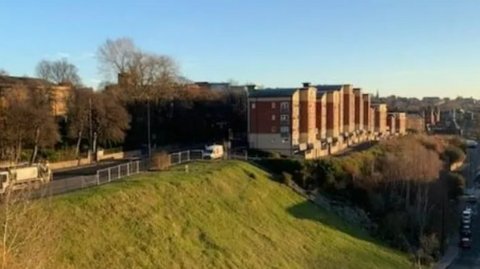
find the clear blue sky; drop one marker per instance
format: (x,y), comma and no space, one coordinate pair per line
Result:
(403,47)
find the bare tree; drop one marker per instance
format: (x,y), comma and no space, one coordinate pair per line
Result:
(146,75)
(60,71)
(44,129)
(28,121)
(116,56)
(79,107)
(110,119)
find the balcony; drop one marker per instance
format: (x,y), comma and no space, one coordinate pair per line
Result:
(285,122)
(285,110)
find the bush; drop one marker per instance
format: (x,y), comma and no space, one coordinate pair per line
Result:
(287,179)
(160,161)
(456,185)
(459,143)
(454,154)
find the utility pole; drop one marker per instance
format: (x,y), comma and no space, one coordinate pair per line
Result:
(90,124)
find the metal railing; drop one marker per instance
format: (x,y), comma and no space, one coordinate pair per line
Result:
(111,174)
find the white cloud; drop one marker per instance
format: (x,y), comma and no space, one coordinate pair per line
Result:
(62,55)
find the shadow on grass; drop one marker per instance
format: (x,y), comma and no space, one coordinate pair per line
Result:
(307,210)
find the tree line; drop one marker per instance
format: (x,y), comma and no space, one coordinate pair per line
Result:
(150,91)
(405,185)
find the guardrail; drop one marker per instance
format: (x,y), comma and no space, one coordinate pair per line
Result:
(111,174)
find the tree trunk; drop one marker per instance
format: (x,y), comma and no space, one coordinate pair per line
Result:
(94,147)
(79,140)
(33,157)
(18,152)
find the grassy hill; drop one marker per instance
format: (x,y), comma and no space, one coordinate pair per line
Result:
(220,215)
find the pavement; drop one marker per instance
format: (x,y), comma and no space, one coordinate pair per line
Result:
(455,257)
(87,170)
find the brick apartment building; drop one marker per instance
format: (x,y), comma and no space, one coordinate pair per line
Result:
(391,120)
(359,111)
(306,121)
(380,119)
(321,117)
(334,109)
(58,94)
(348,111)
(401,123)
(284,121)
(367,113)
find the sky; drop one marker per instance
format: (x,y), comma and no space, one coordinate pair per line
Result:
(401,47)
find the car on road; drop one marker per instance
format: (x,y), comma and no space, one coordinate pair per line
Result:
(466,233)
(471,199)
(465,228)
(472,144)
(466,243)
(466,221)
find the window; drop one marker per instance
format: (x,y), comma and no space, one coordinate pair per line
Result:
(273,117)
(284,129)
(273,104)
(284,105)
(274,129)
(284,117)
(253,105)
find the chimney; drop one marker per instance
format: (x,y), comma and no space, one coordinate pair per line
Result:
(306,84)
(251,87)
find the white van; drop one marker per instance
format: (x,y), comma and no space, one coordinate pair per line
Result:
(213,152)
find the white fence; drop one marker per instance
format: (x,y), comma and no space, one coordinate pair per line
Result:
(111,174)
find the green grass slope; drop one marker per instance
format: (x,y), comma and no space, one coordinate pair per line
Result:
(220,215)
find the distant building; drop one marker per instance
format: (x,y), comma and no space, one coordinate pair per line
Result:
(401,123)
(391,120)
(415,123)
(59,93)
(367,113)
(380,112)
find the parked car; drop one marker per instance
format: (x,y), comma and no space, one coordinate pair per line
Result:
(465,227)
(471,199)
(471,144)
(213,152)
(466,221)
(466,233)
(465,243)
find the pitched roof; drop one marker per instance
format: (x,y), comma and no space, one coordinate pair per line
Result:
(268,93)
(327,88)
(9,80)
(320,94)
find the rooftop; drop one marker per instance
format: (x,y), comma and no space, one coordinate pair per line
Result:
(327,88)
(266,93)
(26,81)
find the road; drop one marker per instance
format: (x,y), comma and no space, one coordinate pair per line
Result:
(471,258)
(92,169)
(85,170)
